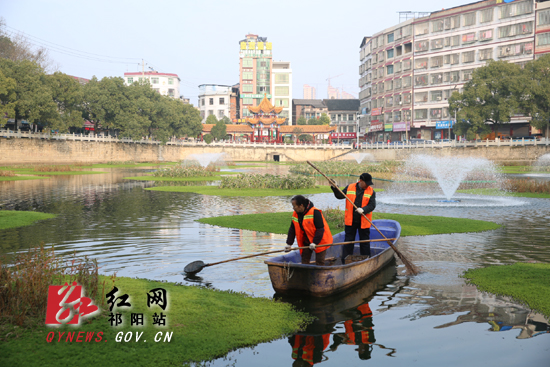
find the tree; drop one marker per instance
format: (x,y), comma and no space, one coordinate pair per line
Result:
(537,104)
(33,97)
(219,131)
(8,98)
(67,95)
(187,121)
(208,138)
(492,95)
(325,120)
(301,121)
(305,138)
(211,120)
(226,120)
(314,121)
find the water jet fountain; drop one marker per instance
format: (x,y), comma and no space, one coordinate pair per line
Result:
(205,159)
(360,157)
(423,177)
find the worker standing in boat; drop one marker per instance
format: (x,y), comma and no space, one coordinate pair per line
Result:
(364,198)
(310,229)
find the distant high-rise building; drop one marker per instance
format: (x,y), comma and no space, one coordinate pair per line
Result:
(255,71)
(309,92)
(333,93)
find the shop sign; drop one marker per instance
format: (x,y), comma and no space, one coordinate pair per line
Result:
(388,127)
(376,126)
(401,126)
(444,124)
(376,111)
(255,96)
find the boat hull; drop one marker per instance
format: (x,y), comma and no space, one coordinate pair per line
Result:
(289,276)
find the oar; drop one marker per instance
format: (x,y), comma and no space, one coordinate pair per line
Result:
(410,267)
(196,266)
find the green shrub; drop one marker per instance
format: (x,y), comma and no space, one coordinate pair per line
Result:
(186,171)
(208,138)
(346,168)
(267,181)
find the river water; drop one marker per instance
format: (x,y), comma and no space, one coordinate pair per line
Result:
(429,320)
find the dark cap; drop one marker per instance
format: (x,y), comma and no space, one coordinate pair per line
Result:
(367,178)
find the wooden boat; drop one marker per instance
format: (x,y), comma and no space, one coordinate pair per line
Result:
(288,274)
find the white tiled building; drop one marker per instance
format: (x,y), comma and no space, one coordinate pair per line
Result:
(214,100)
(281,74)
(164,83)
(447,46)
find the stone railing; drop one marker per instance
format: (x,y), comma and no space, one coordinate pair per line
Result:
(380,145)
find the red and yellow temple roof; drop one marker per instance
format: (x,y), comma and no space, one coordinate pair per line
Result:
(265,120)
(265,106)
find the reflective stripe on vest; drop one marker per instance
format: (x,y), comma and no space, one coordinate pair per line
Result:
(309,228)
(351,194)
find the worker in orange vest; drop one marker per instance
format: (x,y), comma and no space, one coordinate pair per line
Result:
(310,229)
(358,332)
(308,349)
(364,198)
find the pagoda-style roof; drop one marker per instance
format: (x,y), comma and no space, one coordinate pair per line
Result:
(265,120)
(229,128)
(265,106)
(308,129)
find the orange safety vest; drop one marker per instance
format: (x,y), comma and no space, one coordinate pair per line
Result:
(307,343)
(309,228)
(351,194)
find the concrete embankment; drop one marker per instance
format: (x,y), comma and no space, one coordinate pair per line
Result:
(39,151)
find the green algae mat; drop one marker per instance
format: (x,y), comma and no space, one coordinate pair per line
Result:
(411,225)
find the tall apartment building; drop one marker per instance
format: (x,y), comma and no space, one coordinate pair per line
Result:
(409,71)
(309,92)
(165,83)
(282,88)
(255,69)
(542,30)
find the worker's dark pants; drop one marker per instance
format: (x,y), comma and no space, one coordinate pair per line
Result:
(319,256)
(364,234)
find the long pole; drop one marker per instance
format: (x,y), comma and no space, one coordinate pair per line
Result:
(410,267)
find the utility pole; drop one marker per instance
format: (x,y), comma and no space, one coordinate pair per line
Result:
(142,71)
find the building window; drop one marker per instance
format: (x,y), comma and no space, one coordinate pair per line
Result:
(281,78)
(222,101)
(389,69)
(389,54)
(210,101)
(421,46)
(467,74)
(171,92)
(486,35)
(436,62)
(437,25)
(202,101)
(468,56)
(247,88)
(455,41)
(421,80)
(130,80)
(468,38)
(544,17)
(436,96)
(221,114)
(281,102)
(170,81)
(421,63)
(437,44)
(436,78)
(515,29)
(407,65)
(210,112)
(420,97)
(435,113)
(281,91)
(543,39)
(515,9)
(421,114)
(469,19)
(248,62)
(390,37)
(486,15)
(455,76)
(248,75)
(486,54)
(389,101)
(407,98)
(421,29)
(155,80)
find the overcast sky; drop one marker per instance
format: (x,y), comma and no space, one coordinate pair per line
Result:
(199,40)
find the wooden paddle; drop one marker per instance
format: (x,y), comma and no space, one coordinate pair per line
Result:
(196,266)
(410,266)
